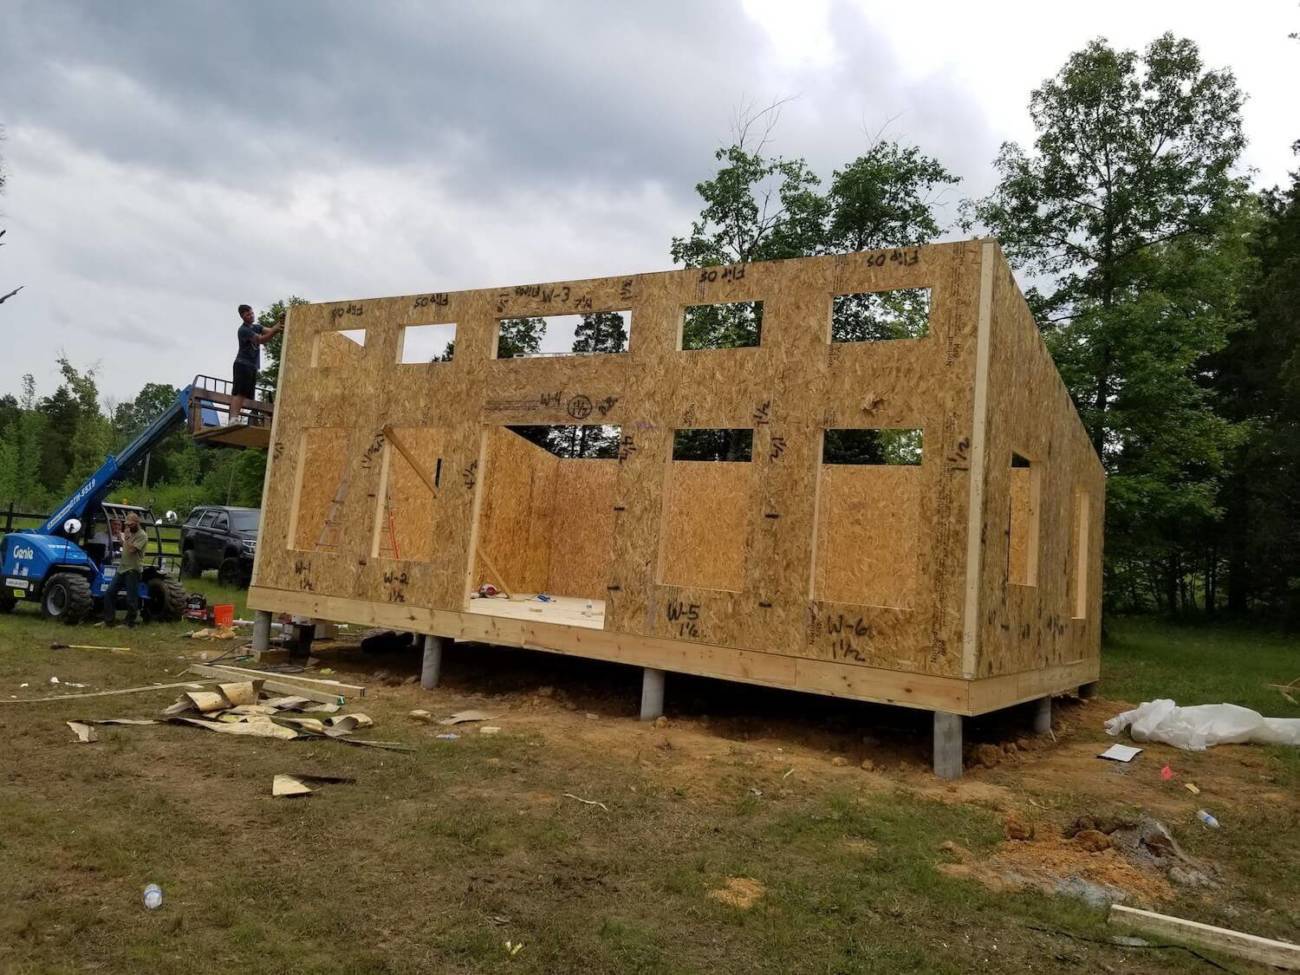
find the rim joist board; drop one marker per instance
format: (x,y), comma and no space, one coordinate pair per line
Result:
(358,434)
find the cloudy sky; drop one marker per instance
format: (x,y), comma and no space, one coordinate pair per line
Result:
(170,160)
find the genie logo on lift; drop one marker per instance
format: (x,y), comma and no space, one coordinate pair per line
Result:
(24,553)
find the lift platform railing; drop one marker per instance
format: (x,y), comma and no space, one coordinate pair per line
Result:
(210,403)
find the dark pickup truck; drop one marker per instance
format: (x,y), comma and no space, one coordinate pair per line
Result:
(221,538)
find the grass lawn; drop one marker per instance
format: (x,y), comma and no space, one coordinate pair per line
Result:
(435,859)
(1146,659)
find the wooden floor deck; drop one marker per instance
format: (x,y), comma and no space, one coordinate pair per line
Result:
(569,610)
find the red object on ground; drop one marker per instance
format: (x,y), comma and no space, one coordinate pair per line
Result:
(223,615)
(1166,773)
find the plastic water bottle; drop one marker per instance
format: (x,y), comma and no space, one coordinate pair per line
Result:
(1207,819)
(153,897)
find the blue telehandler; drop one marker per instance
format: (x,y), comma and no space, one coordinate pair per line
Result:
(67,564)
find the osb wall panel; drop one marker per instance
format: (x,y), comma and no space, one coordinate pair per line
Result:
(321,479)
(1021,516)
(1030,412)
(582,527)
(515,518)
(706,526)
(788,390)
(334,349)
(868,526)
(418,516)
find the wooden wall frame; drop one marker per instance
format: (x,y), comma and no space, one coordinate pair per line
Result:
(979,385)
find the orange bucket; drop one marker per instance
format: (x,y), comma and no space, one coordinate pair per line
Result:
(223,616)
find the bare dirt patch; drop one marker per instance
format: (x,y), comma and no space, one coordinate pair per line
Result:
(1055,865)
(739,892)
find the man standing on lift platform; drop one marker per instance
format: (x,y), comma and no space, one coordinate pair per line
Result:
(248,361)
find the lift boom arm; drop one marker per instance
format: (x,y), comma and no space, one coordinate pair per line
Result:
(97,486)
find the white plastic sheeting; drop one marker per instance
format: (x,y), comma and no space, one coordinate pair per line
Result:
(1199,727)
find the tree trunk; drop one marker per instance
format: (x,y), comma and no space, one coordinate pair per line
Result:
(1171,584)
(1212,582)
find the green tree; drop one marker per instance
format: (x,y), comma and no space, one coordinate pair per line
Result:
(756,208)
(1257,379)
(884,198)
(80,435)
(30,439)
(1128,209)
(275,315)
(767,208)
(517,337)
(600,332)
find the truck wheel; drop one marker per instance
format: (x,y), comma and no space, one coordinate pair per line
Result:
(190,564)
(7,603)
(231,573)
(66,597)
(166,600)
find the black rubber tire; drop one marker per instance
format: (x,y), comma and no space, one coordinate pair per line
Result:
(66,598)
(232,573)
(190,564)
(7,603)
(166,603)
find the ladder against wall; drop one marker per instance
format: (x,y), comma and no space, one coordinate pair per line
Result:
(856,475)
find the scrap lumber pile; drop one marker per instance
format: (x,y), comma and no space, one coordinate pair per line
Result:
(285,707)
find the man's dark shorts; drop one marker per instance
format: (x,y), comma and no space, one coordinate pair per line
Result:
(245,383)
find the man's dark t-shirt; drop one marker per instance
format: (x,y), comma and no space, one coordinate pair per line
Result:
(249,351)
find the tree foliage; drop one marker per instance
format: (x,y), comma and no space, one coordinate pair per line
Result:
(1128,213)
(759,207)
(519,337)
(274,315)
(1257,381)
(50,444)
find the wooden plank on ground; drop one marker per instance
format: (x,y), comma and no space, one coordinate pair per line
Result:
(248,673)
(280,686)
(191,684)
(1266,951)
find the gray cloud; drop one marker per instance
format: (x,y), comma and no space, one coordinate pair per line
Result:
(242,90)
(169,160)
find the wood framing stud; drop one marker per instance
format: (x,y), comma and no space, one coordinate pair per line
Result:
(1043,715)
(1265,951)
(261,631)
(652,693)
(431,671)
(947,745)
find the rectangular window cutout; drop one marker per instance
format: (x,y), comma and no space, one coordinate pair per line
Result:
(710,495)
(411,520)
(341,348)
(320,491)
(573,442)
(714,445)
(868,517)
(426,343)
(734,325)
(878,316)
(1082,529)
(546,524)
(595,333)
(883,446)
(1022,522)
